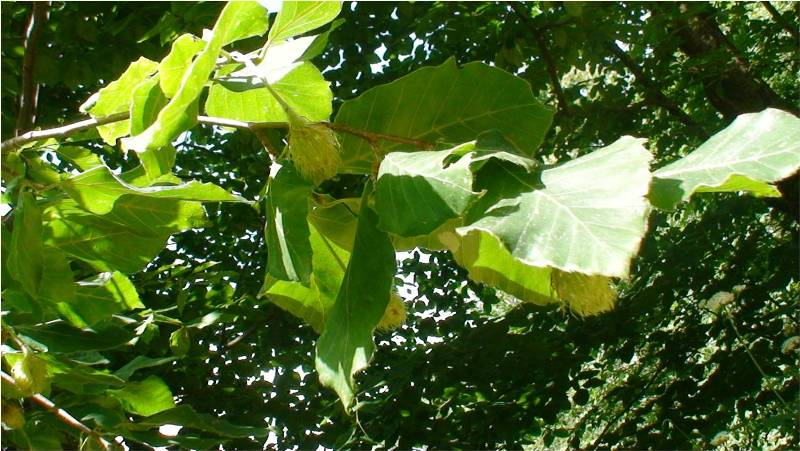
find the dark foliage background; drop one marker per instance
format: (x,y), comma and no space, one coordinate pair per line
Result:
(471,369)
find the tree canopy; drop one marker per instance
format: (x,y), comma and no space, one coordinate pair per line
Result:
(374,225)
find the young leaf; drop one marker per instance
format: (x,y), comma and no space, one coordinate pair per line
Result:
(589,218)
(296,18)
(287,225)
(345,346)
(117,96)
(98,189)
(756,150)
(444,104)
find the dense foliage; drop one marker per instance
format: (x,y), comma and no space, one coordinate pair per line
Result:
(135,252)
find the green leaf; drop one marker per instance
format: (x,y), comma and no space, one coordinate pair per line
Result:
(303,88)
(147,397)
(296,18)
(443,104)
(109,293)
(80,379)
(179,341)
(57,279)
(26,257)
(174,65)
(185,416)
(238,20)
(345,346)
(756,150)
(58,336)
(81,157)
(98,189)
(117,97)
(312,302)
(320,41)
(335,219)
(148,100)
(100,241)
(416,192)
(589,218)
(287,225)
(138,363)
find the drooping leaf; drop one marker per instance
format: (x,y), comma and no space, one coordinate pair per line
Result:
(98,189)
(754,151)
(238,20)
(26,257)
(345,346)
(287,225)
(117,98)
(174,65)
(185,416)
(109,293)
(335,219)
(58,336)
(589,218)
(444,104)
(81,157)
(147,397)
(297,17)
(416,192)
(140,362)
(148,100)
(303,88)
(312,302)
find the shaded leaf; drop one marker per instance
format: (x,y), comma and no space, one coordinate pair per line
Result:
(287,225)
(58,336)
(185,416)
(109,293)
(140,362)
(147,397)
(26,258)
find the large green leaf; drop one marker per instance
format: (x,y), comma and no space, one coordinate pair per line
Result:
(296,18)
(81,157)
(109,245)
(58,336)
(238,20)
(98,189)
(443,104)
(345,346)
(26,257)
(147,397)
(148,100)
(589,218)
(287,225)
(117,97)
(416,192)
(174,65)
(754,151)
(312,302)
(57,279)
(336,219)
(109,293)
(303,89)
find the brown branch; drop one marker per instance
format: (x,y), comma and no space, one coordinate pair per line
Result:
(61,414)
(780,20)
(29,92)
(70,129)
(549,61)
(652,91)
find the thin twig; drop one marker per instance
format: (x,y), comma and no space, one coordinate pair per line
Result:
(61,414)
(549,61)
(71,129)
(29,92)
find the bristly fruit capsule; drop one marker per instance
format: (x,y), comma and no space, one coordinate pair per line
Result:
(395,314)
(313,149)
(583,294)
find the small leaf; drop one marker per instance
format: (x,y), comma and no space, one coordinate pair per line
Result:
(345,346)
(757,149)
(297,17)
(147,397)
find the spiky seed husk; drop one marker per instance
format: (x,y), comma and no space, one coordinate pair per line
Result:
(313,149)
(583,294)
(395,314)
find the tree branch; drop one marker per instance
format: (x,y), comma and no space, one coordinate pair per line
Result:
(549,61)
(29,92)
(780,20)
(70,129)
(61,414)
(652,91)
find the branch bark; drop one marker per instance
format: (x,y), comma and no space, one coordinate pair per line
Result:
(549,61)
(61,414)
(780,20)
(71,129)
(29,92)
